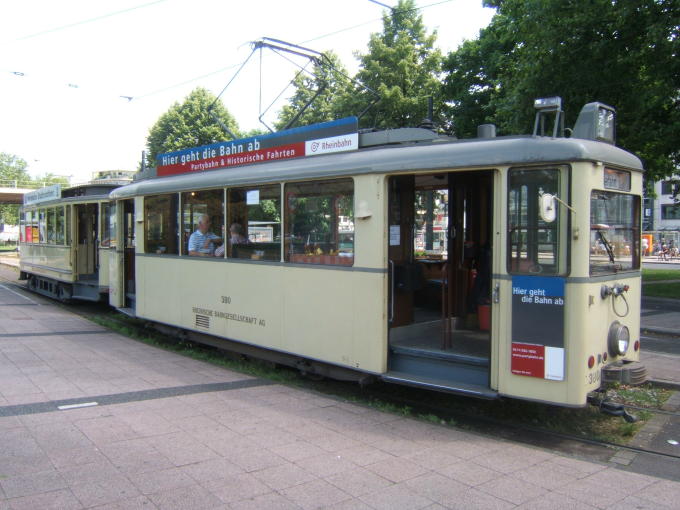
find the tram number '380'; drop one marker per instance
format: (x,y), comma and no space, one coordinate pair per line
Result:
(593,377)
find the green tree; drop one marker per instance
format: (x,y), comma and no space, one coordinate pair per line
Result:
(190,124)
(623,53)
(403,67)
(13,170)
(328,76)
(472,83)
(13,173)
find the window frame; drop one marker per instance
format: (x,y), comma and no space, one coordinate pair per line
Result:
(665,208)
(184,233)
(172,220)
(318,257)
(562,253)
(635,231)
(268,253)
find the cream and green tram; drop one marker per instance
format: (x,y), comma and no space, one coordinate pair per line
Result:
(65,241)
(495,266)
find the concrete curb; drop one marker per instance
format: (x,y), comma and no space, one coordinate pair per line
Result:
(669,385)
(660,331)
(652,300)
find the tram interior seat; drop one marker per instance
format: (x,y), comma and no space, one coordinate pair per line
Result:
(409,277)
(257,251)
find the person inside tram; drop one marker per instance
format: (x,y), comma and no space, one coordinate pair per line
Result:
(236,235)
(219,251)
(202,242)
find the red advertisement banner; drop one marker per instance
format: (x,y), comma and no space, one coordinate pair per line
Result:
(528,359)
(293,150)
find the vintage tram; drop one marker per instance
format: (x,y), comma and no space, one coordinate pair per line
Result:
(64,240)
(494,266)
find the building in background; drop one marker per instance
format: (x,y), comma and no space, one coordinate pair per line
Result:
(661,215)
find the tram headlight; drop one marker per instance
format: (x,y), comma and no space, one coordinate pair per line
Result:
(618,340)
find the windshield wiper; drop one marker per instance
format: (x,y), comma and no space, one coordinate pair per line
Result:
(607,246)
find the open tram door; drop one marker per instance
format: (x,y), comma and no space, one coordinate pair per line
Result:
(440,257)
(86,251)
(87,236)
(122,269)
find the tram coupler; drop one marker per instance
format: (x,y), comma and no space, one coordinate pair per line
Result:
(612,408)
(615,290)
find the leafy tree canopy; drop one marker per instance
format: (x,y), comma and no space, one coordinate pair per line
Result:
(618,52)
(329,78)
(13,168)
(14,171)
(403,67)
(189,124)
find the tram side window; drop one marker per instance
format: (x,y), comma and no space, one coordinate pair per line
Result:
(109,225)
(34,227)
(197,205)
(22,226)
(51,226)
(59,226)
(614,232)
(67,239)
(28,227)
(534,235)
(320,222)
(161,224)
(42,225)
(254,223)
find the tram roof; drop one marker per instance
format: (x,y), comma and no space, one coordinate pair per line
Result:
(395,159)
(87,192)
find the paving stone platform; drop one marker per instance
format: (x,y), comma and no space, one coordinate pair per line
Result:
(161,431)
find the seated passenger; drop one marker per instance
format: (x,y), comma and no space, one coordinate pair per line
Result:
(236,234)
(202,242)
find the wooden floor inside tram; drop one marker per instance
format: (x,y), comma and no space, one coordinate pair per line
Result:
(427,339)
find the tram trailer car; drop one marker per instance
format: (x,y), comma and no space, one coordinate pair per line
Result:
(496,266)
(64,241)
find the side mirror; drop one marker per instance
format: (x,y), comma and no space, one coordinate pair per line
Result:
(547,207)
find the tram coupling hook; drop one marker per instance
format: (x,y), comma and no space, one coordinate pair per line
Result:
(612,408)
(615,290)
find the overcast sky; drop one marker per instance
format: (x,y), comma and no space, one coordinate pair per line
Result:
(65,65)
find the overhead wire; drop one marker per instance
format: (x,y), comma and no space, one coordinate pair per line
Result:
(129,98)
(323,36)
(85,21)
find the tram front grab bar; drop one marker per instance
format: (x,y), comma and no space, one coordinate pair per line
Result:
(496,294)
(391,318)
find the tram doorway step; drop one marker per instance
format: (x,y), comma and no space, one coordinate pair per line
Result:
(130,312)
(442,385)
(86,291)
(454,369)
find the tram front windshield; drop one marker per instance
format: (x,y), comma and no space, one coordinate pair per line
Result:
(614,232)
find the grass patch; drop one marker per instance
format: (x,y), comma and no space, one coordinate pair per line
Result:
(660,289)
(664,290)
(7,248)
(655,275)
(645,395)
(200,352)
(431,407)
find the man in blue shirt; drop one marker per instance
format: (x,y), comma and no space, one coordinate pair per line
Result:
(202,242)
